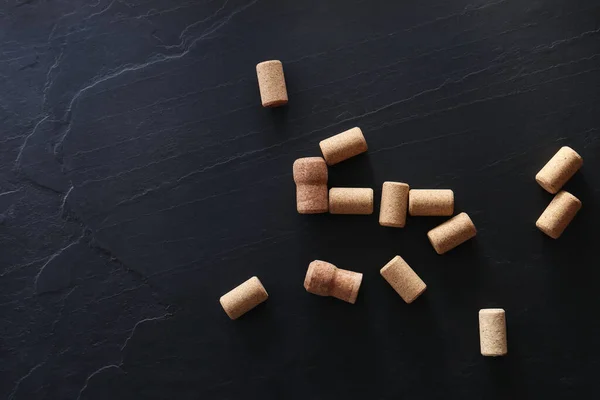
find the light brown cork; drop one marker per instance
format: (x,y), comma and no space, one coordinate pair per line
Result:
(325,279)
(271,83)
(403,279)
(394,201)
(559,214)
(351,201)
(343,146)
(561,167)
(492,332)
(243,298)
(451,233)
(431,202)
(312,195)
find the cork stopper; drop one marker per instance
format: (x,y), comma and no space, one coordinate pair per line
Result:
(452,233)
(403,279)
(394,201)
(492,332)
(243,298)
(351,201)
(561,167)
(343,146)
(271,83)
(559,214)
(431,202)
(325,279)
(310,175)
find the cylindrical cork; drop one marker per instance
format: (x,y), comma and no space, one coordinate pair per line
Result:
(394,200)
(561,167)
(243,298)
(325,279)
(431,202)
(351,201)
(403,279)
(492,332)
(310,175)
(451,233)
(271,83)
(559,214)
(343,146)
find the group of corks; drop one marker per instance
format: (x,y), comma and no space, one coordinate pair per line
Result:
(397,200)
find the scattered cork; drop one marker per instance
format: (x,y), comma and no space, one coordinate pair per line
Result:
(492,332)
(451,233)
(431,202)
(394,200)
(310,175)
(325,279)
(561,167)
(351,201)
(343,146)
(271,83)
(243,298)
(403,279)
(559,214)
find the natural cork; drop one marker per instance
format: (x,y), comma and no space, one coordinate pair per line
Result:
(343,146)
(403,279)
(394,201)
(451,233)
(243,298)
(559,214)
(431,202)
(351,201)
(492,332)
(271,83)
(325,279)
(561,167)
(310,175)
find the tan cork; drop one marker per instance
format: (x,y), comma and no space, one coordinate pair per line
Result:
(431,202)
(394,201)
(403,279)
(312,195)
(271,83)
(343,146)
(451,233)
(561,167)
(243,298)
(325,279)
(492,332)
(351,201)
(559,214)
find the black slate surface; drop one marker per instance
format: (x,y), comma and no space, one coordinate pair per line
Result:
(140,179)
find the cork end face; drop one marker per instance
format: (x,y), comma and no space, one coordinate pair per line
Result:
(492,311)
(355,288)
(225,308)
(434,244)
(267,64)
(275,103)
(388,224)
(547,230)
(545,184)
(499,354)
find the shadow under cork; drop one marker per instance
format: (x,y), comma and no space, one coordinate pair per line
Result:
(505,373)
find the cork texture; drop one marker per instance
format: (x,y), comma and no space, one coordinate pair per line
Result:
(271,83)
(561,167)
(351,201)
(394,202)
(343,146)
(310,176)
(492,332)
(559,214)
(452,233)
(243,298)
(325,279)
(431,202)
(403,279)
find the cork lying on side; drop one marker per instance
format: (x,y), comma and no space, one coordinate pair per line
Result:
(561,167)
(310,175)
(394,202)
(351,201)
(271,82)
(452,233)
(559,214)
(243,298)
(431,202)
(325,279)
(403,279)
(343,146)
(492,332)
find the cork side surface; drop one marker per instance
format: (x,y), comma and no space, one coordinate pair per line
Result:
(271,83)
(559,169)
(343,146)
(320,278)
(559,214)
(452,233)
(403,279)
(492,332)
(351,201)
(431,202)
(346,285)
(243,298)
(394,203)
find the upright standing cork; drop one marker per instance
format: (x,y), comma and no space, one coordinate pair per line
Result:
(492,332)
(351,201)
(431,202)
(310,175)
(451,233)
(271,83)
(243,298)
(403,279)
(561,167)
(343,146)
(394,200)
(559,214)
(325,279)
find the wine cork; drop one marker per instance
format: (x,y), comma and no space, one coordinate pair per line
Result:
(325,279)
(431,202)
(394,200)
(403,279)
(343,146)
(310,175)
(561,167)
(559,214)
(351,201)
(451,233)
(492,332)
(271,83)
(243,298)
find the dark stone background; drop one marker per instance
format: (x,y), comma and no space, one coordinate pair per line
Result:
(140,179)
